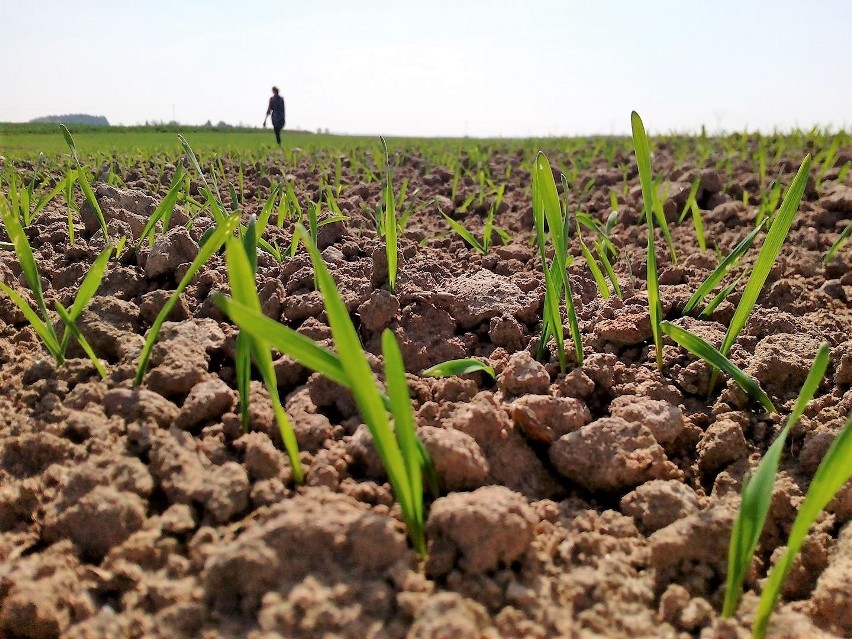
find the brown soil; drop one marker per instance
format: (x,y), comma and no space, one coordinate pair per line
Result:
(593,504)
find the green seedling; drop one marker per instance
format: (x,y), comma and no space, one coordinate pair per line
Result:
(766,257)
(705,351)
(610,271)
(837,243)
(390,222)
(459,367)
(597,274)
(71,329)
(653,209)
(550,222)
(164,210)
(826,161)
(833,472)
(208,248)
(757,492)
(43,325)
(242,264)
(399,457)
(83,181)
(720,297)
(722,269)
(488,231)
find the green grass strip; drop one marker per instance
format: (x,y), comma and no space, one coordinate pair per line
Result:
(833,472)
(705,351)
(757,492)
(207,250)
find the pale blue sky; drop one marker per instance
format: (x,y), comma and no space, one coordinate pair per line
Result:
(449,67)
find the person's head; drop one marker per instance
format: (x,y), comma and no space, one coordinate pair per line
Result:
(275,90)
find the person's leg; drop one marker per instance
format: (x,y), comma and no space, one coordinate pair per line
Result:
(277,130)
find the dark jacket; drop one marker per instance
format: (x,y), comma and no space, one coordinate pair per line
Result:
(276,109)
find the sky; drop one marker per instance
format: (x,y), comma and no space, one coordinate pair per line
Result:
(434,68)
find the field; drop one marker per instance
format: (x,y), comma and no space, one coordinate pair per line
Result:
(205,430)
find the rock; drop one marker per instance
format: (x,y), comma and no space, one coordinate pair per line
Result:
(100,520)
(523,375)
(449,614)
(545,419)
(830,598)
(262,459)
(129,206)
(140,404)
(331,531)
(508,332)
(631,325)
(378,311)
(781,362)
(833,288)
(693,551)
(224,491)
(207,400)
(664,420)
(843,356)
(611,454)
(180,357)
(482,295)
(170,251)
(658,503)
(481,530)
(840,200)
(458,460)
(721,444)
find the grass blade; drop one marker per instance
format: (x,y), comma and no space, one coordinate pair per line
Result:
(285,340)
(90,285)
(838,243)
(722,269)
(71,329)
(768,253)
(649,196)
(705,351)
(164,209)
(28,264)
(242,281)
(361,381)
(403,419)
(757,493)
(833,472)
(217,239)
(43,329)
(459,367)
(390,223)
(466,235)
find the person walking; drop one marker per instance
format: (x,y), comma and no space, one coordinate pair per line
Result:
(276,110)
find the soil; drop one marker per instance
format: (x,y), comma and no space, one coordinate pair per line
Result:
(597,503)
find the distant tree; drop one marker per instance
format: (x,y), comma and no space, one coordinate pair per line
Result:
(73,118)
